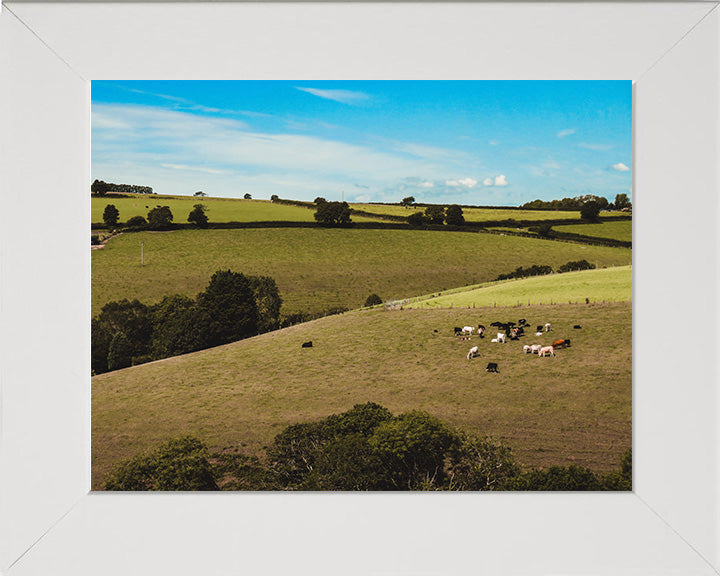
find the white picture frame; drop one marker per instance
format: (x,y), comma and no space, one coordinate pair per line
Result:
(51,524)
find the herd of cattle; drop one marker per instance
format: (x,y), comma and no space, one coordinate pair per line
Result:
(513,331)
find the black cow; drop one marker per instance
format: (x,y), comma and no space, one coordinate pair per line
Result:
(577,327)
(458,330)
(492,367)
(540,328)
(307,344)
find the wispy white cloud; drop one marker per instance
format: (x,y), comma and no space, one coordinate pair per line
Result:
(176,152)
(462,183)
(344,96)
(566,132)
(194,168)
(488,182)
(620,167)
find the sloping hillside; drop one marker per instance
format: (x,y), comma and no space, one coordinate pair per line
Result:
(574,408)
(600,285)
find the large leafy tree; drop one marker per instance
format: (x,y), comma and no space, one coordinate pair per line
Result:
(229,301)
(99,188)
(590,211)
(622,201)
(160,217)
(454,216)
(268,301)
(111,215)
(198,217)
(332,213)
(132,319)
(179,327)
(435,214)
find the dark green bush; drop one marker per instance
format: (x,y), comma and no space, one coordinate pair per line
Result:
(578,265)
(373,300)
(180,464)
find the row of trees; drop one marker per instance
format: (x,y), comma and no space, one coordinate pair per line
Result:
(541,270)
(622,202)
(438,215)
(365,448)
(100,188)
(158,218)
(232,307)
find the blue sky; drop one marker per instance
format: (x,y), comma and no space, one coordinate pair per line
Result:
(467,142)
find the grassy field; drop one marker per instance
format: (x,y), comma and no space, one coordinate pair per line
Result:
(218,209)
(611,284)
(316,269)
(574,408)
(621,230)
(473,214)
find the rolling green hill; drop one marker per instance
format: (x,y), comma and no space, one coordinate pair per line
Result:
(317,269)
(574,408)
(218,209)
(611,284)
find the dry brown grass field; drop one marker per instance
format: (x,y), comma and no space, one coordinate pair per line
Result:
(573,408)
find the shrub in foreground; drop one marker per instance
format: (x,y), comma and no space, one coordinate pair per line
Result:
(180,464)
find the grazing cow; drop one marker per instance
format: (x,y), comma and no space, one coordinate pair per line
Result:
(526,349)
(501,337)
(577,327)
(457,330)
(545,350)
(496,324)
(467,330)
(522,322)
(538,334)
(535,348)
(492,367)
(539,328)
(481,331)
(547,327)
(564,343)
(494,340)
(307,344)
(472,353)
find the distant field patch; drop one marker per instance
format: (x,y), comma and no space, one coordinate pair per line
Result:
(218,209)
(317,269)
(620,230)
(474,214)
(609,285)
(575,408)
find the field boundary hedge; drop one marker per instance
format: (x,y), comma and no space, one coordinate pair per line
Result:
(387,225)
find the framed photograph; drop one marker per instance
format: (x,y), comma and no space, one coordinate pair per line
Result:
(50,519)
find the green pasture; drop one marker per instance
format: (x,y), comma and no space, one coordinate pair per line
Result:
(618,230)
(610,285)
(318,268)
(218,209)
(574,408)
(473,214)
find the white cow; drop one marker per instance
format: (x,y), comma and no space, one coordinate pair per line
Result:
(545,350)
(538,334)
(467,330)
(494,340)
(526,349)
(472,353)
(547,327)
(535,348)
(501,337)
